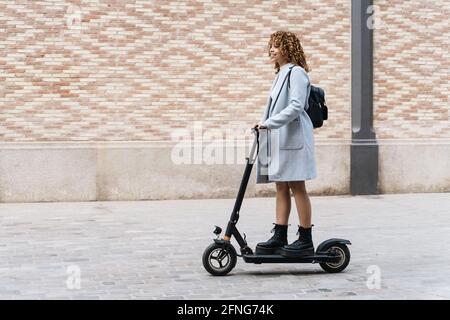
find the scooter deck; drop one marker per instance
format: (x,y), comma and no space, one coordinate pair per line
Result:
(276,258)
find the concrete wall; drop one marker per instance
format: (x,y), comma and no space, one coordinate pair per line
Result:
(414,166)
(144,171)
(140,171)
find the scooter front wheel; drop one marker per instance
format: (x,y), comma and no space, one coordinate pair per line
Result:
(219,260)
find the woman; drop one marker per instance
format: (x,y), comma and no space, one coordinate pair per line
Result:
(287,155)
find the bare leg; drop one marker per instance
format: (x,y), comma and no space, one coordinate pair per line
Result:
(283,203)
(302,202)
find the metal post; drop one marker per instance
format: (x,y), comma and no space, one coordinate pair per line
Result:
(364,147)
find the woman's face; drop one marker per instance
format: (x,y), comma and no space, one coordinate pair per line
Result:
(276,56)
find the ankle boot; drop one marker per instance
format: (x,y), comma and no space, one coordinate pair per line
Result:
(274,244)
(301,247)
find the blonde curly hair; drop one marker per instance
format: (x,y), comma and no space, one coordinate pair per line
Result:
(290,46)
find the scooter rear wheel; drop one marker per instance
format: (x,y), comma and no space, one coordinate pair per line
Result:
(344,258)
(219,260)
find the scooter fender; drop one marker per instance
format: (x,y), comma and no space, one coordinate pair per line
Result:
(225,244)
(330,242)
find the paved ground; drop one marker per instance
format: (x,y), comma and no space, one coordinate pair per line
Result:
(153,249)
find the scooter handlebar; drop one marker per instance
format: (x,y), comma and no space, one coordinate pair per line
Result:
(256,129)
(255,148)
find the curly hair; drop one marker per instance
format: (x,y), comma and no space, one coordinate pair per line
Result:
(289,46)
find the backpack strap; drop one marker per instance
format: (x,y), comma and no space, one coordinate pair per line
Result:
(289,83)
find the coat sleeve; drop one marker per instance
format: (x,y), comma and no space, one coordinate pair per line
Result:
(297,99)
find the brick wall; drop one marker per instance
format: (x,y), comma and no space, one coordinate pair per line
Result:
(412,69)
(134,70)
(75,73)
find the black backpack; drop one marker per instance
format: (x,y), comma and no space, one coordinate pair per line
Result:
(318,110)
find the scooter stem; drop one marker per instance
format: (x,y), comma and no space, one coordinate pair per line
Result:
(241,193)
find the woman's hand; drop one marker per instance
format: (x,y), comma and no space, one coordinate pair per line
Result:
(260,126)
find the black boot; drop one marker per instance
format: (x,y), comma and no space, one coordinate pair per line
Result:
(301,247)
(274,244)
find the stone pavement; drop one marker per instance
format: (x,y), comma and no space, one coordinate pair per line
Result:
(153,250)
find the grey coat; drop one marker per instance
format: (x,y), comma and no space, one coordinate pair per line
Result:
(286,148)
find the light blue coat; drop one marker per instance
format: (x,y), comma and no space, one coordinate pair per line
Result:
(286,148)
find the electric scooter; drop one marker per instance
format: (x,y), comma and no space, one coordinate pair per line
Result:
(220,257)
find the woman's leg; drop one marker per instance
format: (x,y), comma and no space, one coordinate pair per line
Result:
(283,203)
(302,202)
(283,208)
(304,245)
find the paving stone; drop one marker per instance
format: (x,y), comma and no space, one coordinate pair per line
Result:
(149,250)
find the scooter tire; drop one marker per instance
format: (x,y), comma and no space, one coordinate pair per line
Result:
(213,258)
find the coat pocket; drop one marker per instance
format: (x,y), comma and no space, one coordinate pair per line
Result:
(291,135)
